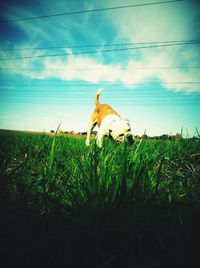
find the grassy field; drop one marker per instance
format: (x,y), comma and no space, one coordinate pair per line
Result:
(64,205)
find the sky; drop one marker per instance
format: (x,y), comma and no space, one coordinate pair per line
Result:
(55,55)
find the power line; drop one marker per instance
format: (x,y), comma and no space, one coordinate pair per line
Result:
(102,84)
(99,69)
(124,101)
(99,45)
(72,102)
(88,11)
(109,96)
(130,97)
(64,94)
(99,51)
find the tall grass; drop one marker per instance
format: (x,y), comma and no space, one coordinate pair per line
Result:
(120,204)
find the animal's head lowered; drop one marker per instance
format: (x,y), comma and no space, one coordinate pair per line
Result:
(120,131)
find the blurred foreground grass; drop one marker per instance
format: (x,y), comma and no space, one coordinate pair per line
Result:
(64,205)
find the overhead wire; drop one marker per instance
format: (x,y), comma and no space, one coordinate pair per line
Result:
(74,102)
(101,83)
(99,51)
(87,11)
(98,45)
(35,94)
(106,68)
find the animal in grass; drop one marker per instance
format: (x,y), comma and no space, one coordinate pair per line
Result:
(109,123)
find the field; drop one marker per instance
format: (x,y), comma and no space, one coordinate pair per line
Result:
(64,205)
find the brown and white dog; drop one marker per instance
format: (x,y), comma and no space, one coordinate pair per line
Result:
(110,124)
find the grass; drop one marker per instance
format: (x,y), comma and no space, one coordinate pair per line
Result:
(64,205)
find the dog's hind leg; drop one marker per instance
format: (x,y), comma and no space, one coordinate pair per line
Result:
(91,125)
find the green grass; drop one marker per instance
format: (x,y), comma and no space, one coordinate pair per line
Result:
(62,203)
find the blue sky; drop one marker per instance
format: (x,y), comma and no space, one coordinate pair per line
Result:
(156,87)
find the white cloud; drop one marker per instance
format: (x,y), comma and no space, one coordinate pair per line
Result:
(87,69)
(174,21)
(143,24)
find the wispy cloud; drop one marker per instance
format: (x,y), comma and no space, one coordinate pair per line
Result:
(158,23)
(133,72)
(165,22)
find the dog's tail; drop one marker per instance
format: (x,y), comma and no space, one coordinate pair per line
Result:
(97,96)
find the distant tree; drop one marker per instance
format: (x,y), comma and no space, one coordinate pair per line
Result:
(178,137)
(164,137)
(72,132)
(144,137)
(82,133)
